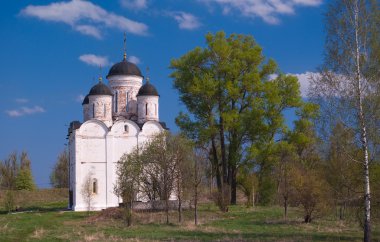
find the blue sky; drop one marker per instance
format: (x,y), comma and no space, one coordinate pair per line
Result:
(50,52)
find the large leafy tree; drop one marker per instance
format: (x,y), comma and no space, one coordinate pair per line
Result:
(233,105)
(348,85)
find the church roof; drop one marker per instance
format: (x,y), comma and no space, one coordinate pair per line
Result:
(100,89)
(85,100)
(147,90)
(124,68)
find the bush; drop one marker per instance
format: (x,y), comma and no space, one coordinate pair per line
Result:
(9,201)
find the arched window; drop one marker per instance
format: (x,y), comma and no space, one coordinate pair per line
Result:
(146,109)
(94,186)
(93,110)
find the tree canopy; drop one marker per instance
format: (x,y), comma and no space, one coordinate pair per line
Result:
(235,98)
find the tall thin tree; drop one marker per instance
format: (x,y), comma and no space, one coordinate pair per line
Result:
(350,76)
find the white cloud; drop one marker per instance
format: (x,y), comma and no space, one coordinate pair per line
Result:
(267,10)
(185,20)
(134,59)
(94,60)
(80,98)
(134,4)
(89,30)
(21,100)
(84,17)
(25,111)
(304,80)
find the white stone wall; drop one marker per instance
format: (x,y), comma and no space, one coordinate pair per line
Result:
(90,160)
(86,112)
(95,150)
(148,108)
(100,108)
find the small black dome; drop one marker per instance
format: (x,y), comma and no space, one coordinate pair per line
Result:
(100,89)
(124,68)
(86,100)
(147,90)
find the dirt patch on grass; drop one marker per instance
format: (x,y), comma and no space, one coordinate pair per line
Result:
(38,233)
(5,229)
(106,214)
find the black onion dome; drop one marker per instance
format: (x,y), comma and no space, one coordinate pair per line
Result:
(86,100)
(147,90)
(100,89)
(124,68)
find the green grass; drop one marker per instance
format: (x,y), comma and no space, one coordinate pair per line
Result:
(50,222)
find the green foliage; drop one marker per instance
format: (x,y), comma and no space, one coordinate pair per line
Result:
(342,169)
(9,201)
(59,177)
(234,106)
(266,188)
(129,170)
(16,173)
(247,181)
(24,180)
(312,192)
(8,171)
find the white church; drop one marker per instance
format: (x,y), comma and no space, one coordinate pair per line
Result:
(116,118)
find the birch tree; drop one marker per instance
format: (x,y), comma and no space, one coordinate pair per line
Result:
(87,191)
(348,84)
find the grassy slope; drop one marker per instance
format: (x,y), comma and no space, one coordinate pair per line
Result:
(240,223)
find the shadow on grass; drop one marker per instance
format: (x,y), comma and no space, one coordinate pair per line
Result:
(42,208)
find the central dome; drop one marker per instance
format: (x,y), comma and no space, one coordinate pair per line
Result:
(124,68)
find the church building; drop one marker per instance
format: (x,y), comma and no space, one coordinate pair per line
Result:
(116,118)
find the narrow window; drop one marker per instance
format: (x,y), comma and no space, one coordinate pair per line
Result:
(94,186)
(146,109)
(116,100)
(127,102)
(126,128)
(155,109)
(104,110)
(113,102)
(93,110)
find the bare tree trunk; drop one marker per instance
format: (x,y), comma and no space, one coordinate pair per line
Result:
(233,185)
(285,207)
(216,165)
(167,210)
(253,195)
(196,206)
(363,132)
(179,205)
